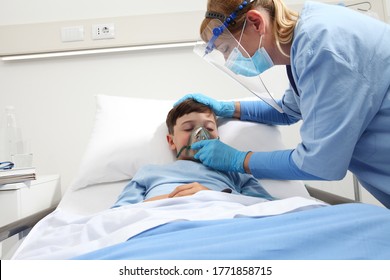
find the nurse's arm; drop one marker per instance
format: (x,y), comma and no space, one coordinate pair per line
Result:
(277,165)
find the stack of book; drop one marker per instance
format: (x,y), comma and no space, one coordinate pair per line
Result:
(16,175)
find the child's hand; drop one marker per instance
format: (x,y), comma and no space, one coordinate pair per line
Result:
(157,198)
(187,189)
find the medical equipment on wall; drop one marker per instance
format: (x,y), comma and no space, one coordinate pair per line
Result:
(197,134)
(221,49)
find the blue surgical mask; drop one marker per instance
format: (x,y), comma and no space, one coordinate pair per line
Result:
(249,66)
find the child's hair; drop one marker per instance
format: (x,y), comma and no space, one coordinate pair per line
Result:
(186,107)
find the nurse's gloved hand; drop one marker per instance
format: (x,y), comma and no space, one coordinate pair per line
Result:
(221,108)
(217,155)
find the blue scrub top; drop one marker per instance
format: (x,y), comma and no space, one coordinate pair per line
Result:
(340,61)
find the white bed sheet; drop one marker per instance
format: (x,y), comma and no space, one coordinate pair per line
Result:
(92,199)
(83,204)
(63,235)
(99,197)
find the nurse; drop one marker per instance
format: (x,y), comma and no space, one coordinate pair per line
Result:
(338,63)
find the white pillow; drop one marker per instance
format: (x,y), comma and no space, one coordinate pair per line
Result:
(131,132)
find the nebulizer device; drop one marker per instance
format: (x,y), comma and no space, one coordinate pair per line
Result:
(198,134)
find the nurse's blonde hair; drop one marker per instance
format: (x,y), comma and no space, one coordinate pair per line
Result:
(283,19)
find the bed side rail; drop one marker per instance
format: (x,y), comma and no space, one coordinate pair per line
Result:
(23,224)
(328,197)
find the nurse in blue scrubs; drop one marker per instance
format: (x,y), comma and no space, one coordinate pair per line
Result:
(338,63)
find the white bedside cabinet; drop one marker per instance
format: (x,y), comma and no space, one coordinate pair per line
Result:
(24,199)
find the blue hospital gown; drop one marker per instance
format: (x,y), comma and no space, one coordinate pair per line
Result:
(340,61)
(153,180)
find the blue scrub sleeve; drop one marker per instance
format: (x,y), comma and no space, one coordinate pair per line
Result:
(250,186)
(261,112)
(131,194)
(277,165)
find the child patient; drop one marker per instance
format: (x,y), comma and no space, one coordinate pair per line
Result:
(187,122)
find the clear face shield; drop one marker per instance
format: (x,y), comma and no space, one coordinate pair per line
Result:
(224,52)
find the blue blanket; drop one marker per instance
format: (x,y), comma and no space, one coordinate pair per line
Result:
(348,231)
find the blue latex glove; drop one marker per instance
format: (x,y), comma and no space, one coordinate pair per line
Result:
(221,108)
(217,155)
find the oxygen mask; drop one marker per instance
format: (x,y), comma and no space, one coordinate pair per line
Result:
(197,134)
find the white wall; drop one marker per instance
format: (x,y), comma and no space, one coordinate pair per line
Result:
(55,97)
(26,11)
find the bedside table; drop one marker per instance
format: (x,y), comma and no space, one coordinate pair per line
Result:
(23,199)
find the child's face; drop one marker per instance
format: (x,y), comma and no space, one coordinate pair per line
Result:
(184,126)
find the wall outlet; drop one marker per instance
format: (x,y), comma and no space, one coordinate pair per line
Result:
(103,31)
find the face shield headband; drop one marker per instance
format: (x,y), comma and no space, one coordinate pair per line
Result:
(225,47)
(217,31)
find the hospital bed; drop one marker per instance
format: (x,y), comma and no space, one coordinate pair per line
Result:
(303,223)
